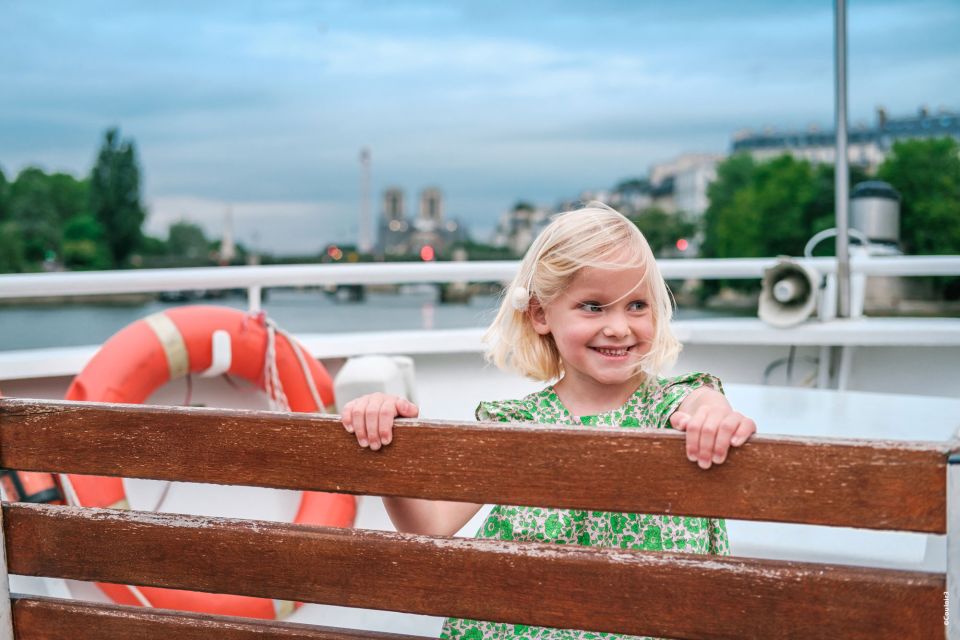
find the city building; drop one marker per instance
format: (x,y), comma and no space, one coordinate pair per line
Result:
(867,146)
(519,226)
(401,236)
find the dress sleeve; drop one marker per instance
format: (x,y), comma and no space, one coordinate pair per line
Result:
(504,411)
(673,391)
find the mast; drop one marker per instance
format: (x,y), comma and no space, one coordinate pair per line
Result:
(841,171)
(365,244)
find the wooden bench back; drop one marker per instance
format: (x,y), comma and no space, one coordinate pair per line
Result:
(880,485)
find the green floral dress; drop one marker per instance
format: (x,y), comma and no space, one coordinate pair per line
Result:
(649,407)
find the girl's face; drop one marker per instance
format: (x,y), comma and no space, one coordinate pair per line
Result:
(602,324)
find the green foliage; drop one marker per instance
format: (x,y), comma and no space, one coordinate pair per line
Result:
(151,246)
(4,189)
(663,229)
(768,209)
(32,210)
(481,251)
(187,240)
(632,184)
(927,175)
(12,259)
(83,244)
(68,196)
(523,205)
(115,195)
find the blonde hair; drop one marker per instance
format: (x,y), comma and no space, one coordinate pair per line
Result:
(594,236)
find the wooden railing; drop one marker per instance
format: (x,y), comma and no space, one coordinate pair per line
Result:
(878,485)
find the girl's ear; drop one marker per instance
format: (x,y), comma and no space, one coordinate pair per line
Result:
(538,317)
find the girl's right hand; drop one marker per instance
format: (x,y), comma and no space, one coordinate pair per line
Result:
(370,417)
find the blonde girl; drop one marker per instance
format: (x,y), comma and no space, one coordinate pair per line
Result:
(589,312)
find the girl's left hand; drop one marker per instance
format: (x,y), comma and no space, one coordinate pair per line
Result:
(711,430)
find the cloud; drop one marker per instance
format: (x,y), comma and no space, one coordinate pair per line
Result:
(267,105)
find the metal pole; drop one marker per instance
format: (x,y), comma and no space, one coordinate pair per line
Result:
(841,170)
(951,599)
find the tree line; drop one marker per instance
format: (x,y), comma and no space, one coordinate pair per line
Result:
(772,208)
(55,220)
(756,209)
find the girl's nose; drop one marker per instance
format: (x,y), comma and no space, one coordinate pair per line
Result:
(616,327)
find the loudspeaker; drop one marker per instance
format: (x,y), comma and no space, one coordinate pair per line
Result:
(790,292)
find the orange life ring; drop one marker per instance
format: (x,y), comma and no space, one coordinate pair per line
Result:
(143,356)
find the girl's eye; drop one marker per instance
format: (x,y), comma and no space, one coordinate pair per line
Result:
(592,307)
(638,305)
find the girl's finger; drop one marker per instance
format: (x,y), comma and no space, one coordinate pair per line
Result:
(708,437)
(679,420)
(346,416)
(373,422)
(407,409)
(745,429)
(359,424)
(388,411)
(724,434)
(693,426)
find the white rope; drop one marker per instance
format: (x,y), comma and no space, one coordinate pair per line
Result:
(305,367)
(271,374)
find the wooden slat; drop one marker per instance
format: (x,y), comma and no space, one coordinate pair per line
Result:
(673,595)
(37,618)
(881,485)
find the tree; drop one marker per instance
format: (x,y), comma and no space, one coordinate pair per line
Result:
(4,189)
(32,211)
(768,209)
(729,212)
(69,196)
(12,258)
(83,244)
(662,229)
(927,174)
(115,195)
(187,240)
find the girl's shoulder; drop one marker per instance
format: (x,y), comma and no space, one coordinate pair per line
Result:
(526,409)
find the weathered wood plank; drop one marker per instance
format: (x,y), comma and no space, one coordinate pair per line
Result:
(882,485)
(673,595)
(38,618)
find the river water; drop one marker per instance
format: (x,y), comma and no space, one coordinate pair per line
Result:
(298,311)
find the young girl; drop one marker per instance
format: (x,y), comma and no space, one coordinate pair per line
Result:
(590,310)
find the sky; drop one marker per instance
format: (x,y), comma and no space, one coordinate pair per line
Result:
(262,108)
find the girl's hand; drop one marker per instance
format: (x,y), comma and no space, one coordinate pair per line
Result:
(712,427)
(370,417)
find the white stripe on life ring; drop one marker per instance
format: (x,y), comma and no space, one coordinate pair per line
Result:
(178,359)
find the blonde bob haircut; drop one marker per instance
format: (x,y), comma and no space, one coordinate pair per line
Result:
(594,236)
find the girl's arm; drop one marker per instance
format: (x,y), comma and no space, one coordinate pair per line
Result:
(429,517)
(712,426)
(370,419)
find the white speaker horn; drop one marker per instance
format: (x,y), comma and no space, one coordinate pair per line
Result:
(789,294)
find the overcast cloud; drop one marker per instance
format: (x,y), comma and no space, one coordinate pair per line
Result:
(262,107)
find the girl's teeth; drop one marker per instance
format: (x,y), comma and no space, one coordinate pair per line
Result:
(613,352)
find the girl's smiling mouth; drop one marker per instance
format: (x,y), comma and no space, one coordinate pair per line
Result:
(613,352)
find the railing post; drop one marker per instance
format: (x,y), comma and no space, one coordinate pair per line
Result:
(6,616)
(254,296)
(951,599)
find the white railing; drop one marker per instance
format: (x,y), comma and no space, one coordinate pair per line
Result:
(254,278)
